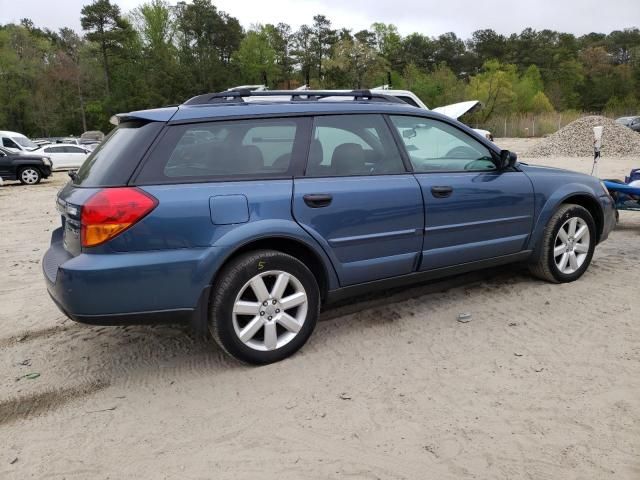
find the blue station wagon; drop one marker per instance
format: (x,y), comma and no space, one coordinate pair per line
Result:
(243,212)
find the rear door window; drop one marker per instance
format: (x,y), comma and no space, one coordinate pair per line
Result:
(53,150)
(345,145)
(73,150)
(244,149)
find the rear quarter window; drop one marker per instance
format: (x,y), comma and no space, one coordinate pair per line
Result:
(113,162)
(243,149)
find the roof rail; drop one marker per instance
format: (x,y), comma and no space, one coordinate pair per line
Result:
(238,95)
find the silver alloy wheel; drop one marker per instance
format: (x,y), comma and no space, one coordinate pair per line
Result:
(270,310)
(571,246)
(29,176)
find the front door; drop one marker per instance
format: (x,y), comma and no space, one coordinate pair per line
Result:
(5,165)
(358,201)
(473,211)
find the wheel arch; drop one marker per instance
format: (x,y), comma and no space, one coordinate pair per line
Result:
(291,246)
(583,198)
(592,206)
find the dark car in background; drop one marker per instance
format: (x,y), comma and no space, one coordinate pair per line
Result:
(632,122)
(29,169)
(245,217)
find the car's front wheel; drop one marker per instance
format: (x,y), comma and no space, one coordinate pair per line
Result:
(567,246)
(264,306)
(29,176)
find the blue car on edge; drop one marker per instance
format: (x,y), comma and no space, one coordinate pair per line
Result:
(243,212)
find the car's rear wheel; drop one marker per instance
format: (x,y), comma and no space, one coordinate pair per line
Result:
(264,306)
(29,176)
(567,245)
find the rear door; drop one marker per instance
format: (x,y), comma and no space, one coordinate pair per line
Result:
(472,210)
(74,156)
(358,200)
(57,155)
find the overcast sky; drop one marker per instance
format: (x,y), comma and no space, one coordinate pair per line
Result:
(431,17)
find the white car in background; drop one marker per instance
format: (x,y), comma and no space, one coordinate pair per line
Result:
(64,156)
(455,110)
(17,142)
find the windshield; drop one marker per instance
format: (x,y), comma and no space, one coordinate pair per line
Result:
(25,143)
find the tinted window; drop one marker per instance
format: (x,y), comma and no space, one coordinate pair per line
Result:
(114,161)
(408,100)
(242,148)
(73,150)
(343,145)
(54,150)
(433,145)
(7,142)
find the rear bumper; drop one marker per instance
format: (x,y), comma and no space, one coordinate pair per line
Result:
(165,286)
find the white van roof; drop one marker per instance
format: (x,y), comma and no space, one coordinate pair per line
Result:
(7,133)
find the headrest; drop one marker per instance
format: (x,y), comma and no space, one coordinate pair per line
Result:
(348,159)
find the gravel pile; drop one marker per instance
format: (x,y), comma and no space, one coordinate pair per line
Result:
(576,140)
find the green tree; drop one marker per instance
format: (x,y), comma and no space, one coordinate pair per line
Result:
(494,88)
(303,52)
(156,25)
(280,39)
(540,103)
(322,39)
(357,60)
(388,42)
(207,39)
(526,88)
(106,27)
(256,58)
(418,50)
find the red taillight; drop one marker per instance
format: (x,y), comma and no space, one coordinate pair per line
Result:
(111,211)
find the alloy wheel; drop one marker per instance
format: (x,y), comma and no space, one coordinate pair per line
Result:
(571,245)
(270,310)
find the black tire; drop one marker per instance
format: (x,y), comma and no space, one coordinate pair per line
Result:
(545,267)
(29,176)
(230,282)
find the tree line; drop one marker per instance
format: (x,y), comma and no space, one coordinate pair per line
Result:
(66,82)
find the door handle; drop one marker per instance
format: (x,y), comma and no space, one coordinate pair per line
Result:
(318,200)
(441,192)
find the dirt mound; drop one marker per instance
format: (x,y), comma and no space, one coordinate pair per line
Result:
(576,140)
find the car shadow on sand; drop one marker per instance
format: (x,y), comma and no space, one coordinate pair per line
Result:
(81,359)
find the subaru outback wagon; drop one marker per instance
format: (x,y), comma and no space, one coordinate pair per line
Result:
(243,218)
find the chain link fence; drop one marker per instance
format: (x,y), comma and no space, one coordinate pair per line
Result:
(531,125)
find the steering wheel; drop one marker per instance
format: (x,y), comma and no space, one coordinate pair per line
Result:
(461,152)
(479,164)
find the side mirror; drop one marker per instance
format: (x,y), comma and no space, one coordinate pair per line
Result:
(507,159)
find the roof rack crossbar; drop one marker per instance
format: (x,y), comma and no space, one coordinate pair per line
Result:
(237,96)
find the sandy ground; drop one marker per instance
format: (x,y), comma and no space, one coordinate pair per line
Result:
(543,383)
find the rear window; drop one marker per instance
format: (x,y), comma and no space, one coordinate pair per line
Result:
(113,162)
(223,149)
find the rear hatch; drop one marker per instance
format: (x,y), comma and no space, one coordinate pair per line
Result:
(111,165)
